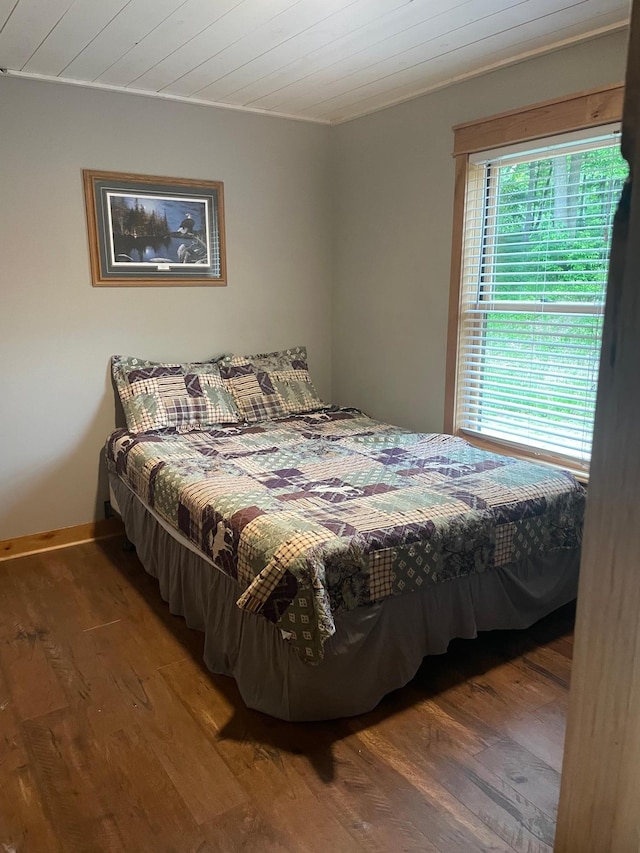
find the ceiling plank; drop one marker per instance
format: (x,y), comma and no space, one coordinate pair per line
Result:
(423,45)
(232,27)
(398,16)
(173,33)
(82,22)
(248,80)
(26,28)
(6,8)
(137,19)
(299,24)
(354,47)
(286,25)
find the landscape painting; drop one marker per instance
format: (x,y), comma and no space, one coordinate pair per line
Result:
(146,230)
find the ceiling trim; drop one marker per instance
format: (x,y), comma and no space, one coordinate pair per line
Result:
(163,96)
(494,66)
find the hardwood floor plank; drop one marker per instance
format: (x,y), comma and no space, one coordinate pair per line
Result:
(534,779)
(510,815)
(94,592)
(459,704)
(478,706)
(242,736)
(94,691)
(554,717)
(89,591)
(123,690)
(510,680)
(549,664)
(447,824)
(506,697)
(244,828)
(130,654)
(15,599)
(23,822)
(51,596)
(293,810)
(544,739)
(439,757)
(191,761)
(436,716)
(145,805)
(66,768)
(362,806)
(35,689)
(24,825)
(72,662)
(539,660)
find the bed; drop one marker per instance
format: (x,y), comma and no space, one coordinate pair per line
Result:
(324,554)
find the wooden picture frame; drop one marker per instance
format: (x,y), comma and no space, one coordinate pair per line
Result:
(150,231)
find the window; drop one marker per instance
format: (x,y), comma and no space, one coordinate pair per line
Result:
(532,283)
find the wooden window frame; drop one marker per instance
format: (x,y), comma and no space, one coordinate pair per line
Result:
(582,111)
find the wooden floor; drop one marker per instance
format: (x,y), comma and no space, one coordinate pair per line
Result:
(113,736)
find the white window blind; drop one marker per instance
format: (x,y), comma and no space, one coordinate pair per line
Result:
(535,256)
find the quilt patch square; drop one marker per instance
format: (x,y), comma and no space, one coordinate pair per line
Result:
(381,575)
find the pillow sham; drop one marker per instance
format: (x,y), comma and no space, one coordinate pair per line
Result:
(188,396)
(270,385)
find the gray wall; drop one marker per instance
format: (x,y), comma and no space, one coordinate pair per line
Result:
(57,332)
(393,208)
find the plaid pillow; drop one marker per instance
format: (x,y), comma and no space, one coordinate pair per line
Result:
(185,396)
(270,385)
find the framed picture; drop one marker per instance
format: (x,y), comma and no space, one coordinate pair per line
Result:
(149,231)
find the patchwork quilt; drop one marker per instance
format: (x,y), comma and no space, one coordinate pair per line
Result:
(330,511)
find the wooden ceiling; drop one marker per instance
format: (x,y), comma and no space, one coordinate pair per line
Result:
(320,60)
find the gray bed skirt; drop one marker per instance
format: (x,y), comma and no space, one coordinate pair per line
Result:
(375,649)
